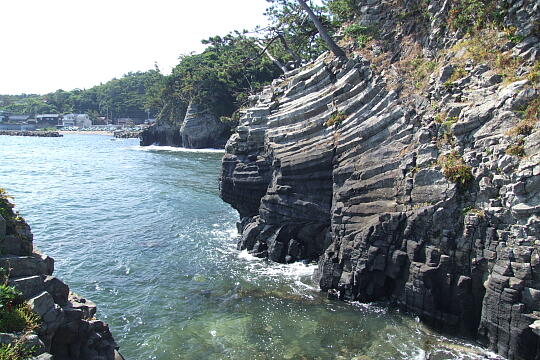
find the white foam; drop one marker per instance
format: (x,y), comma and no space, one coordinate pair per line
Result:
(230,234)
(175,149)
(295,270)
(245,255)
(371,307)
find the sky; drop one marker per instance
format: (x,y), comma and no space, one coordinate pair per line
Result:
(67,44)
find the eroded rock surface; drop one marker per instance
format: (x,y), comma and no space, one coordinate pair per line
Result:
(199,128)
(338,162)
(69,330)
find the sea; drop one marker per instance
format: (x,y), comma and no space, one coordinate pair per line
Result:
(142,232)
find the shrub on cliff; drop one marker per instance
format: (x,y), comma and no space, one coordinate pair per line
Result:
(9,297)
(336,119)
(15,351)
(472,15)
(15,314)
(5,205)
(19,318)
(455,169)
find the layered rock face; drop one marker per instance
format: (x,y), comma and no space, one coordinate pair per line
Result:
(430,199)
(199,129)
(68,330)
(202,129)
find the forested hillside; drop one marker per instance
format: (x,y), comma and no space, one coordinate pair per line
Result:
(222,77)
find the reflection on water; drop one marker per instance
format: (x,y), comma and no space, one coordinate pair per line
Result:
(144,234)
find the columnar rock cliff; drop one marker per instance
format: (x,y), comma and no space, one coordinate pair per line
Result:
(68,329)
(199,129)
(423,193)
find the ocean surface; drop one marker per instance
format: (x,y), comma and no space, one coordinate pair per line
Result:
(144,234)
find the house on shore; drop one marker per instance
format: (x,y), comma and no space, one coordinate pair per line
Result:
(48,120)
(17,122)
(76,120)
(19,119)
(125,122)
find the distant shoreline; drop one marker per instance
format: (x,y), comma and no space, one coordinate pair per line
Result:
(89,132)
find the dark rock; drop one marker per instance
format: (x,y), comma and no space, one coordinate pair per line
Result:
(57,289)
(370,198)
(199,128)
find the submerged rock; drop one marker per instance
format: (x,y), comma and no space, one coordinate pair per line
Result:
(337,161)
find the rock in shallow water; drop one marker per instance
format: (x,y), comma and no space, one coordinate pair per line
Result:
(370,198)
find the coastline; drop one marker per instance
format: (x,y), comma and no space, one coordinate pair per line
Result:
(90,132)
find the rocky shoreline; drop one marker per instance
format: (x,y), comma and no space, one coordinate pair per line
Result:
(31,133)
(127,134)
(198,129)
(68,329)
(427,195)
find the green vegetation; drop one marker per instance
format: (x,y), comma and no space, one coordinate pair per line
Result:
(15,315)
(417,12)
(455,169)
(517,148)
(458,73)
(485,46)
(474,211)
(128,96)
(361,34)
(221,77)
(336,119)
(231,68)
(446,135)
(6,207)
(470,16)
(419,70)
(19,318)
(15,351)
(9,296)
(342,10)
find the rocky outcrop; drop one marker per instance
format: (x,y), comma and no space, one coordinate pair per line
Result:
(427,198)
(162,134)
(199,129)
(127,134)
(202,129)
(69,329)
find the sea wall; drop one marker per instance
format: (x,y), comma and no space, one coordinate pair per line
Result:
(68,329)
(427,195)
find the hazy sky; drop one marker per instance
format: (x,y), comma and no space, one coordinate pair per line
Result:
(67,44)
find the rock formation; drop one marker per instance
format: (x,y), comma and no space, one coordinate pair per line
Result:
(69,330)
(202,129)
(162,134)
(199,129)
(428,196)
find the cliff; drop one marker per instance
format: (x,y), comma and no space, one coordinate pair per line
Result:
(198,129)
(67,327)
(410,171)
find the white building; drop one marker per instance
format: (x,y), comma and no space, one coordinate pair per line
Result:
(79,120)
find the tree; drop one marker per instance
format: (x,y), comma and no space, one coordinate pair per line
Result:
(322,31)
(290,35)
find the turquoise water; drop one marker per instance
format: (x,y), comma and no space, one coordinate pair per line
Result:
(143,233)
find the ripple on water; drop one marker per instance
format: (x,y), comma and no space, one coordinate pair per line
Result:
(143,233)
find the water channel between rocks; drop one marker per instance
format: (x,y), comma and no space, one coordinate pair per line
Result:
(144,234)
